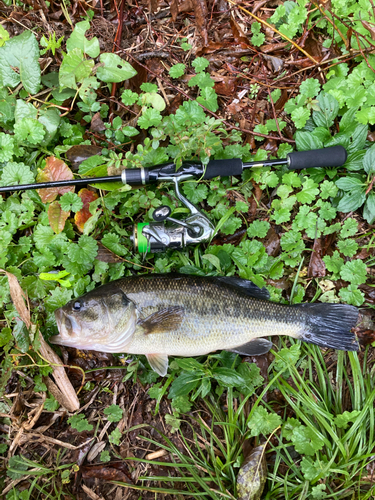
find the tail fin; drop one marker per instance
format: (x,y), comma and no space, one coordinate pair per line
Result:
(329,325)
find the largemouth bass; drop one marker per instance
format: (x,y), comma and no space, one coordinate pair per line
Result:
(182,315)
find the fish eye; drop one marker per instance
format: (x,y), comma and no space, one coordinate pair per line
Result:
(77,306)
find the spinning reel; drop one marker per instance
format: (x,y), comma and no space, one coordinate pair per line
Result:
(166,231)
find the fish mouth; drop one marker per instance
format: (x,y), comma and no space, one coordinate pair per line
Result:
(68,329)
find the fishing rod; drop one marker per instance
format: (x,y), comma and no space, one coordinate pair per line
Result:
(196,228)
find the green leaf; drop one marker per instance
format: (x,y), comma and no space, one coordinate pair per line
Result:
(22,53)
(115,436)
(349,228)
(112,242)
(190,365)
(328,190)
(369,208)
(354,271)
(306,141)
(74,68)
(215,261)
(306,441)
(329,108)
(287,357)
(181,404)
(258,229)
(16,463)
(311,470)
(78,40)
(310,87)
(348,247)
(200,64)
(334,263)
(113,413)
(177,70)
(21,336)
(16,173)
(150,117)
(71,201)
(183,384)
(351,200)
(351,295)
(128,97)
(263,422)
(202,80)
(115,69)
(341,421)
(228,377)
(369,161)
(84,251)
(29,130)
(208,98)
(80,423)
(105,456)
(195,192)
(309,191)
(300,117)
(6,147)
(258,39)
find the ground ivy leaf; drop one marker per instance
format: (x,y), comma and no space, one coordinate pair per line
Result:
(70,201)
(80,423)
(114,413)
(355,272)
(200,64)
(342,421)
(194,191)
(115,69)
(328,189)
(351,295)
(349,228)
(309,191)
(22,53)
(263,422)
(112,242)
(29,130)
(181,404)
(300,117)
(348,247)
(150,117)
(334,263)
(83,252)
(115,437)
(208,98)
(177,70)
(16,173)
(310,469)
(306,441)
(258,229)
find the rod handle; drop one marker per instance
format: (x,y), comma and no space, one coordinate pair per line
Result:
(223,168)
(327,157)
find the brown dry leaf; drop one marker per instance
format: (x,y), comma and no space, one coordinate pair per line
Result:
(272,242)
(227,86)
(317,268)
(201,13)
(57,217)
(97,124)
(111,471)
(252,475)
(105,255)
(238,34)
(77,154)
(55,170)
(84,214)
(18,298)
(63,390)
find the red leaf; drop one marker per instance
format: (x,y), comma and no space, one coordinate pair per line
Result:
(57,217)
(55,170)
(84,214)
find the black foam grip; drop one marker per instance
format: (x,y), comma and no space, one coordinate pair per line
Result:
(223,168)
(327,157)
(134,176)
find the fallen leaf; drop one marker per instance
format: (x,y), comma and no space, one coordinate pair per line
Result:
(252,475)
(97,124)
(77,154)
(105,255)
(272,242)
(18,298)
(201,13)
(238,34)
(84,214)
(227,86)
(57,217)
(111,471)
(317,268)
(55,170)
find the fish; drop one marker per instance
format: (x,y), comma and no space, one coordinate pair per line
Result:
(162,315)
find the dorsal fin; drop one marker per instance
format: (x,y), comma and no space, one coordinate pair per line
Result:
(246,286)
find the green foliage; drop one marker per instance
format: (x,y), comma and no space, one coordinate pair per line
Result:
(113,413)
(80,423)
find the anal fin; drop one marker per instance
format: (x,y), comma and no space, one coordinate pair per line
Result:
(159,363)
(255,347)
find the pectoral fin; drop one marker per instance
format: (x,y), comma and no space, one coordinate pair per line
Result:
(255,347)
(159,363)
(164,320)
